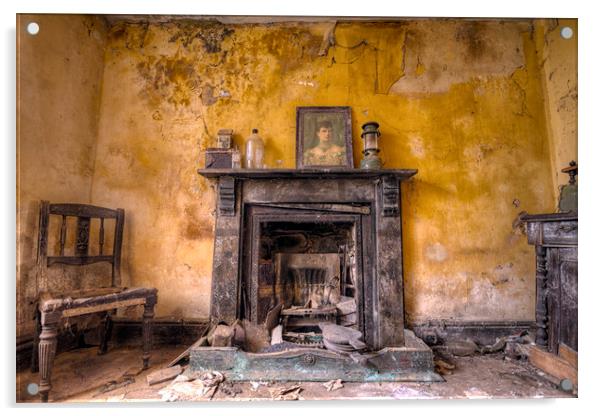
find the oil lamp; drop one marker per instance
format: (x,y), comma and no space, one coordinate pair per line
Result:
(568,193)
(370,135)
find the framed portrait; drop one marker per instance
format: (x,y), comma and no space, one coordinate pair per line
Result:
(324,137)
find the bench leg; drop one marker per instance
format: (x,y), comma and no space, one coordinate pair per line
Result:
(105,334)
(46,352)
(147,329)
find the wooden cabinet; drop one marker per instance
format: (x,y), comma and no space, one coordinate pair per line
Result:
(555,239)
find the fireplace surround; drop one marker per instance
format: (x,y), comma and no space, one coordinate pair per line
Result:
(338,233)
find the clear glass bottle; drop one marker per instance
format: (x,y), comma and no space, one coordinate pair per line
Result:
(254,150)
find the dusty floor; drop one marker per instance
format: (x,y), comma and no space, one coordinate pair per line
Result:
(80,376)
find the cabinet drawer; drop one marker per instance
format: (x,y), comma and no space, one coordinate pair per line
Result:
(553,233)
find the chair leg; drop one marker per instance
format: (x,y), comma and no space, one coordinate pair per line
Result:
(47,350)
(105,334)
(36,342)
(147,330)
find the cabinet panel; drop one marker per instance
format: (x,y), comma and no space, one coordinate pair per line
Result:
(568,297)
(562,297)
(553,298)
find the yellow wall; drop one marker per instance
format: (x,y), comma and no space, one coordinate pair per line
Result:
(558,61)
(59,77)
(461,101)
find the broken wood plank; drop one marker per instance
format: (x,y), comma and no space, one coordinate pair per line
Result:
(567,353)
(198,343)
(163,375)
(552,364)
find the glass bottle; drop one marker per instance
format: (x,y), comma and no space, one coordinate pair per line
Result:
(254,151)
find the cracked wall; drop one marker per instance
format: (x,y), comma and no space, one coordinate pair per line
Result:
(461,101)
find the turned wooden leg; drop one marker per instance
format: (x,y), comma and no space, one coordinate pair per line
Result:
(105,334)
(46,352)
(36,342)
(541,308)
(147,329)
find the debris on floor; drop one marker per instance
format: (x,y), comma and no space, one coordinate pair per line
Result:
(333,384)
(115,384)
(230,389)
(512,345)
(211,380)
(443,367)
(163,374)
(286,393)
(404,392)
(460,348)
(255,384)
(182,388)
(276,335)
(521,378)
(476,393)
(514,350)
(498,345)
(128,377)
(490,373)
(181,378)
(134,371)
(341,339)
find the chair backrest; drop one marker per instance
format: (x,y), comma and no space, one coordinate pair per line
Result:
(84,214)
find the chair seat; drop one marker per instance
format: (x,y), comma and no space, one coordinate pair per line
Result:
(86,293)
(111,299)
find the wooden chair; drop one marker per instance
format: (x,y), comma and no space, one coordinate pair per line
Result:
(54,307)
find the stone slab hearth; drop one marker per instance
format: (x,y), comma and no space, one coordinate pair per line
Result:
(414,362)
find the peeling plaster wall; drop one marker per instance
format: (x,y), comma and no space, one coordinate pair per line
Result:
(461,101)
(59,76)
(558,62)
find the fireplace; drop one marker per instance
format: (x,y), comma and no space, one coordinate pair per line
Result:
(319,247)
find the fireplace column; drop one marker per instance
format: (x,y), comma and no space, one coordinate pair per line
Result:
(224,284)
(388,285)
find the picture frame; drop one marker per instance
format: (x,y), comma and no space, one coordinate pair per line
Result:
(324,138)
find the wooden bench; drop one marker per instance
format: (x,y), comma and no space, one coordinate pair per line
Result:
(53,308)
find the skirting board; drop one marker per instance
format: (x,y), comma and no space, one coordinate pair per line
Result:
(186,332)
(437,332)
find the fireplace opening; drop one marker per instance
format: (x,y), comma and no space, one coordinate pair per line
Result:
(308,272)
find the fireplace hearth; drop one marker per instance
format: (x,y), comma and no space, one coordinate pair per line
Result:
(299,249)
